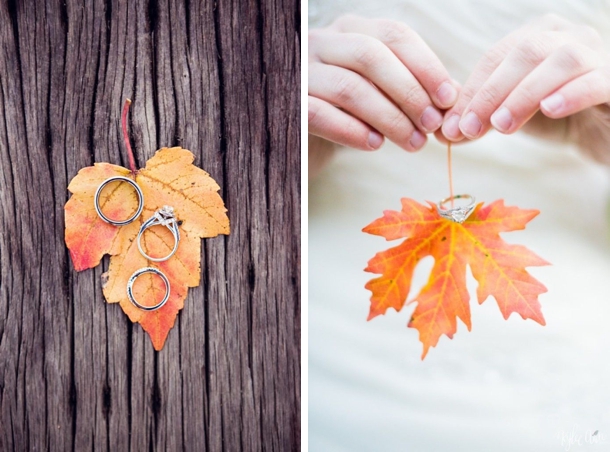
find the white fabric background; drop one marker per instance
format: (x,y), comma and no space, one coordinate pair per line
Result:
(506,385)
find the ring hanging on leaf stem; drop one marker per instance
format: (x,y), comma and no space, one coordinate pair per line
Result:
(457,214)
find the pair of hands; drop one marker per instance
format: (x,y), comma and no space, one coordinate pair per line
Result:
(370,79)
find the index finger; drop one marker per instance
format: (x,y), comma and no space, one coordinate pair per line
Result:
(411,50)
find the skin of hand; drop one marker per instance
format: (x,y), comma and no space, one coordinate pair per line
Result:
(549,76)
(374,78)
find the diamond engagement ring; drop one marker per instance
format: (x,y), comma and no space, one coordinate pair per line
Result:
(457,214)
(162,217)
(139,273)
(138,192)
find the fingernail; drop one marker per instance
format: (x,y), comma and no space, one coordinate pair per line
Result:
(446,94)
(470,125)
(375,140)
(451,127)
(417,140)
(431,119)
(553,103)
(502,120)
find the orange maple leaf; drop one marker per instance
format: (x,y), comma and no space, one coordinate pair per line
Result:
(498,267)
(169,178)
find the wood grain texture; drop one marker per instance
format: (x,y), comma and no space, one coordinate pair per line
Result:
(222,80)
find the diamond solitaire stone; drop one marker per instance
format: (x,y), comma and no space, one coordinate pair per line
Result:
(165,215)
(459,215)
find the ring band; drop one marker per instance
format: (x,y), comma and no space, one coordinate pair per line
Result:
(139,273)
(164,217)
(456,214)
(138,192)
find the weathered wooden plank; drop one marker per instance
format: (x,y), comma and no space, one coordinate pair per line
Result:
(219,79)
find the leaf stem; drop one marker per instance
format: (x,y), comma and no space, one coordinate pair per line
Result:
(450,172)
(132,160)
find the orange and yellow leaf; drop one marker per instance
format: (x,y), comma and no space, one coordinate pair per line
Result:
(498,267)
(169,178)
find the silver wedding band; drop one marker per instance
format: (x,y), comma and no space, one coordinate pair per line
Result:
(138,192)
(456,214)
(135,276)
(163,217)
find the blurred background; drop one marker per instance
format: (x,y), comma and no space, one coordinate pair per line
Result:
(507,385)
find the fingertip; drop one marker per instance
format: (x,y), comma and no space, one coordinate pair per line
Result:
(470,125)
(417,140)
(553,106)
(375,140)
(450,128)
(502,120)
(442,139)
(446,95)
(431,119)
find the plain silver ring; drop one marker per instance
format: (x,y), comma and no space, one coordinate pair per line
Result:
(456,214)
(139,273)
(163,217)
(138,192)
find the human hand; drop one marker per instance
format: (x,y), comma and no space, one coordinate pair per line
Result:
(551,65)
(370,78)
